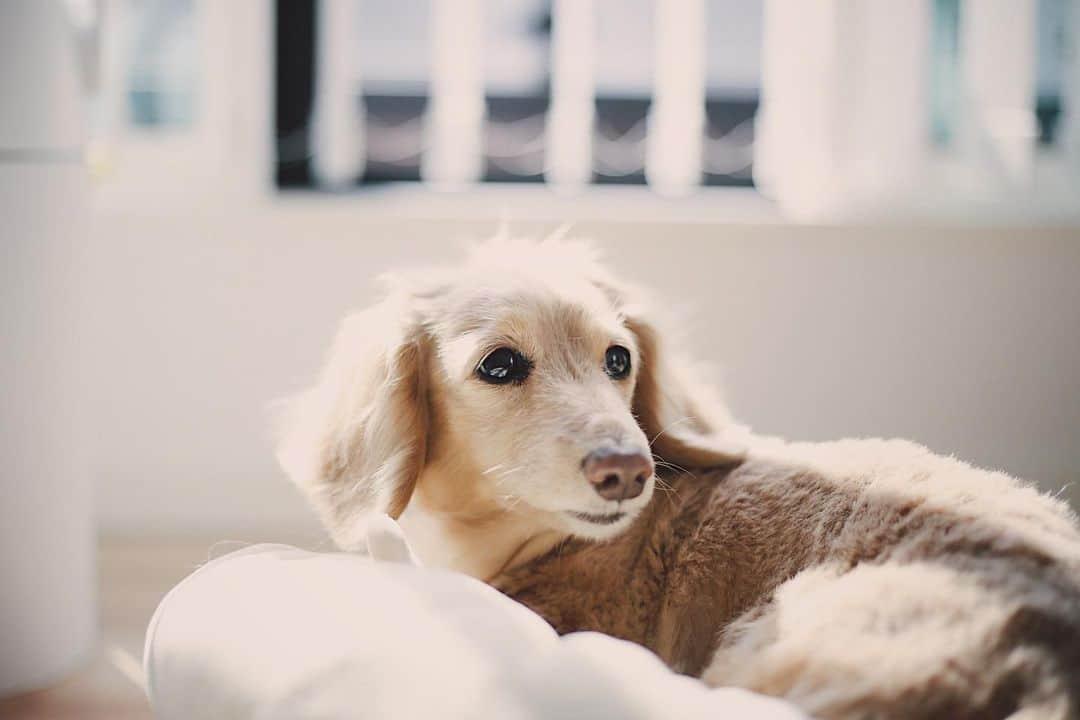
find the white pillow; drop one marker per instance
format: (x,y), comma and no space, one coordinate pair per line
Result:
(276,633)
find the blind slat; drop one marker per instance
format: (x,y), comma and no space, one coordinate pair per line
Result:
(571,114)
(455,122)
(677,117)
(337,111)
(881,119)
(998,125)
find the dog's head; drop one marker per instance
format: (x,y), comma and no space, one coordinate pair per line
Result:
(528,382)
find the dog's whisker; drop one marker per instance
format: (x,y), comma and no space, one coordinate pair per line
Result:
(504,476)
(663,484)
(500,473)
(509,502)
(668,427)
(672,466)
(668,489)
(668,464)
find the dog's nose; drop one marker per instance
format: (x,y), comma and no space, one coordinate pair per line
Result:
(617,474)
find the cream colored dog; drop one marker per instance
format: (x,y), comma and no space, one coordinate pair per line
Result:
(512,414)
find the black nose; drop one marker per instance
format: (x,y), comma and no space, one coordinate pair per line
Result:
(617,474)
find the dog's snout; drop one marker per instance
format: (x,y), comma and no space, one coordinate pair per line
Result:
(618,474)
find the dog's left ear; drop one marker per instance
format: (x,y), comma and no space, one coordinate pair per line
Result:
(683,420)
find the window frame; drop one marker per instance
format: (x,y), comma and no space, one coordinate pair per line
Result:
(224,154)
(295,61)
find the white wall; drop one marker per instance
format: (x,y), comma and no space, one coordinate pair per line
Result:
(965,340)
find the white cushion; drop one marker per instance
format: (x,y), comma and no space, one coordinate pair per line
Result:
(276,633)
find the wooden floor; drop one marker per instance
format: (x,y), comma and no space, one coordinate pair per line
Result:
(135,573)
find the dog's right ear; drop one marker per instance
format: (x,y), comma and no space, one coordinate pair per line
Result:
(356,441)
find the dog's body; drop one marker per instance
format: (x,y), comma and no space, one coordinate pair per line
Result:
(509,413)
(889,588)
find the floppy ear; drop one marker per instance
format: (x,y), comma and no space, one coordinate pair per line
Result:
(682,418)
(356,441)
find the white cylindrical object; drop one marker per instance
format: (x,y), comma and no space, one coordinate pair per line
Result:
(676,124)
(454,152)
(47,544)
(998,64)
(768,134)
(338,118)
(570,119)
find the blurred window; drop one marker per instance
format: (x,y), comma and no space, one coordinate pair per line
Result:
(1052,56)
(946,85)
(393,64)
(162,70)
(973,98)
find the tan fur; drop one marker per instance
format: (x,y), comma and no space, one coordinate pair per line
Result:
(857,579)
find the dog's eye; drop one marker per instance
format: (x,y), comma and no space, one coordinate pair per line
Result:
(503,366)
(617,362)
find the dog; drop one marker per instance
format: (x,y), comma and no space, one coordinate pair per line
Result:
(524,419)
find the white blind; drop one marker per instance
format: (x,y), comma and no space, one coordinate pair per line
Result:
(846,102)
(847,89)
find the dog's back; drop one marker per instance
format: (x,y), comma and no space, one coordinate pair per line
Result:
(932,589)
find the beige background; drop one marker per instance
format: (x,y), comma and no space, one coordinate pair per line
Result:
(967,340)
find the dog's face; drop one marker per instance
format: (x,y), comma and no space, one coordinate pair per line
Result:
(527,383)
(532,395)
